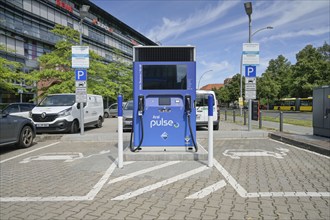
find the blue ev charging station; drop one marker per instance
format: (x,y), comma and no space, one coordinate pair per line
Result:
(164,92)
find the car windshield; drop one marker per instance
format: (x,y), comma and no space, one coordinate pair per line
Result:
(58,100)
(202,100)
(129,106)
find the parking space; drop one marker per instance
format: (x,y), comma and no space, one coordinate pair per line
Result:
(251,178)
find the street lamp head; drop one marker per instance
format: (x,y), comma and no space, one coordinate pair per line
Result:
(270,27)
(83,12)
(248,8)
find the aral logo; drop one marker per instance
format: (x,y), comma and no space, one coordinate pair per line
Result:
(161,122)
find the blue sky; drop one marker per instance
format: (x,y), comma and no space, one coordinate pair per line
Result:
(219,28)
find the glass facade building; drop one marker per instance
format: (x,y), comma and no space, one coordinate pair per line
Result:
(25,33)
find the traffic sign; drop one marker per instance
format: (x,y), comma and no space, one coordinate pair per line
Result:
(250,54)
(80,57)
(81,75)
(250,71)
(81,95)
(81,84)
(250,94)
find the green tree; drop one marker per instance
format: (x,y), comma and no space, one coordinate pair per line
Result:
(222,95)
(234,87)
(10,72)
(267,88)
(57,76)
(279,71)
(311,70)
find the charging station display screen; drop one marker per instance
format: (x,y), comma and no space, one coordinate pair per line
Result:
(164,77)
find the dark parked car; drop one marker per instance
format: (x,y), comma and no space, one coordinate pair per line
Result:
(128,115)
(16,130)
(19,109)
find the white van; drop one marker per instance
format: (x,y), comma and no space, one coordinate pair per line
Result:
(61,113)
(202,109)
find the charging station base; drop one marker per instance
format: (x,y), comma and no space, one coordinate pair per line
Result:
(164,153)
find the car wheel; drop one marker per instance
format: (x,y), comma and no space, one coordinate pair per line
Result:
(99,123)
(26,137)
(74,127)
(106,115)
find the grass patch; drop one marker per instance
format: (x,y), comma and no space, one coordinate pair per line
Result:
(288,121)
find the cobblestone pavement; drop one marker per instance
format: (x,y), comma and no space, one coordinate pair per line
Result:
(250,179)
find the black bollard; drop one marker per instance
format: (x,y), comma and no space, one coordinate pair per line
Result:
(234,115)
(260,119)
(281,121)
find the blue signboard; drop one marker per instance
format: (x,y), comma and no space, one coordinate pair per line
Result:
(250,71)
(81,75)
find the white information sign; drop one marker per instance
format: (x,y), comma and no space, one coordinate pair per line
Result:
(250,83)
(81,84)
(80,57)
(81,94)
(250,94)
(250,54)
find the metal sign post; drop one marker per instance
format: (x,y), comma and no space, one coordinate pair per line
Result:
(80,61)
(250,60)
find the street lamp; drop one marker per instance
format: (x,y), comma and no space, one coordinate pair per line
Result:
(202,77)
(261,29)
(248,10)
(83,12)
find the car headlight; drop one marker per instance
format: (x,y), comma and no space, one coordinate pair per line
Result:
(65,112)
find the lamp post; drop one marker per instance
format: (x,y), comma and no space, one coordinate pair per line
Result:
(83,12)
(202,77)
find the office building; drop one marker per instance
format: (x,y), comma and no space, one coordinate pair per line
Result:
(25,31)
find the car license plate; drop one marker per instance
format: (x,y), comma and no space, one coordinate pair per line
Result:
(42,125)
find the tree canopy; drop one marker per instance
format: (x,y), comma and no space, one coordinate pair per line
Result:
(281,79)
(11,74)
(57,76)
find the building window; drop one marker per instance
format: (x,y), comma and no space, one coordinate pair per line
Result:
(50,14)
(27,5)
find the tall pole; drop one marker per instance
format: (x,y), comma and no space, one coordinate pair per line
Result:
(82,128)
(250,102)
(241,85)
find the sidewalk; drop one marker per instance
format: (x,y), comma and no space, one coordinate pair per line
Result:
(298,136)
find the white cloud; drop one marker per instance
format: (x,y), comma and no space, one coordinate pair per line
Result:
(296,10)
(309,32)
(174,28)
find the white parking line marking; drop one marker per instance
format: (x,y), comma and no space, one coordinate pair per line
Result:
(208,190)
(239,189)
(160,184)
(40,148)
(302,149)
(243,193)
(90,196)
(131,175)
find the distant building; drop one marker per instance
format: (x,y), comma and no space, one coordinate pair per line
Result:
(212,86)
(25,27)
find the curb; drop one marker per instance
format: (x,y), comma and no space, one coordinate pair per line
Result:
(300,144)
